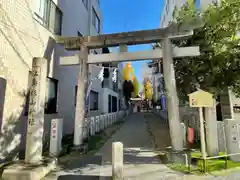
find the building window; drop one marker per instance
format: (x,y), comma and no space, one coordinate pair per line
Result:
(50,95)
(114,104)
(85,2)
(75,100)
(95,20)
(167,7)
(109,103)
(49,15)
(41,10)
(197,4)
(98,1)
(58,21)
(93,100)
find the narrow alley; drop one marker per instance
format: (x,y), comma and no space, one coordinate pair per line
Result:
(140,161)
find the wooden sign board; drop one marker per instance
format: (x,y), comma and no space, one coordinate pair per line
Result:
(201,98)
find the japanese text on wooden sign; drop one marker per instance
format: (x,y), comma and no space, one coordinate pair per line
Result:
(200,99)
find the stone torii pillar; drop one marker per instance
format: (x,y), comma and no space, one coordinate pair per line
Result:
(172,97)
(81,89)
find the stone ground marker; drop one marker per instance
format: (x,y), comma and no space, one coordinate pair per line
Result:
(117,161)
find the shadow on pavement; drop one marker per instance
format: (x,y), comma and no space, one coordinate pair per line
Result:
(74,162)
(139,156)
(81,177)
(77,167)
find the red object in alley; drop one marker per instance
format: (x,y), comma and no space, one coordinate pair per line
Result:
(190,136)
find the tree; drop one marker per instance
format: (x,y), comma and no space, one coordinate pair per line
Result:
(218,66)
(128,88)
(127,71)
(147,88)
(136,86)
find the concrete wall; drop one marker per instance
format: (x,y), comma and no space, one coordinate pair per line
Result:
(22,37)
(234,101)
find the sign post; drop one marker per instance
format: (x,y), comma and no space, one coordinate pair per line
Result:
(201,99)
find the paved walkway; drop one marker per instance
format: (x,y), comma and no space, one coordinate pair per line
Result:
(140,162)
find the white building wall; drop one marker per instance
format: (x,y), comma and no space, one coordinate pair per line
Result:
(170,5)
(22,37)
(96,87)
(77,17)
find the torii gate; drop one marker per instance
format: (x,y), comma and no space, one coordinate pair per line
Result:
(84,44)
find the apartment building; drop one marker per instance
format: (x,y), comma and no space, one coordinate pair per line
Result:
(171,5)
(80,18)
(229,102)
(27,30)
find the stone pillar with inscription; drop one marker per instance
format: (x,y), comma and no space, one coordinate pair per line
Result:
(80,105)
(35,128)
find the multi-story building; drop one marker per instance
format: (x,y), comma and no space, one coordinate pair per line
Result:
(27,30)
(229,102)
(80,18)
(171,5)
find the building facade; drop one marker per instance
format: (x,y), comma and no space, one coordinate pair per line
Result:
(88,23)
(171,5)
(158,84)
(27,30)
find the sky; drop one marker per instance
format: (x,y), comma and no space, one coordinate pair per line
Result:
(131,15)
